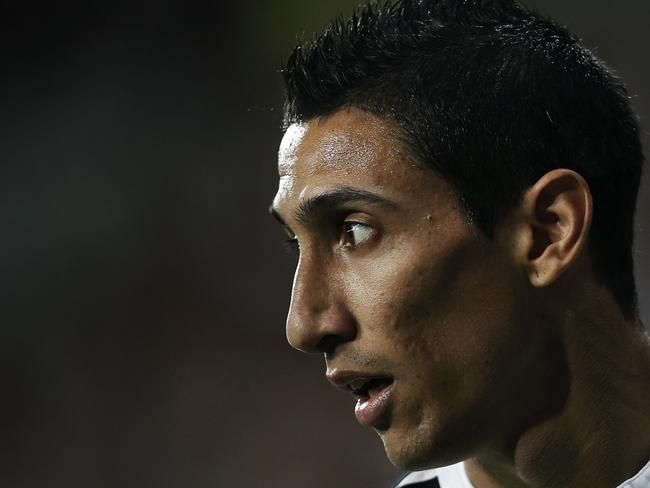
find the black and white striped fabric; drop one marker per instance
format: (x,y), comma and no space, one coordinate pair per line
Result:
(409,481)
(454,476)
(430,483)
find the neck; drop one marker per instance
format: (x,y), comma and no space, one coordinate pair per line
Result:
(601,434)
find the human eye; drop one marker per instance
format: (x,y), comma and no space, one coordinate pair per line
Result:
(291,244)
(356,233)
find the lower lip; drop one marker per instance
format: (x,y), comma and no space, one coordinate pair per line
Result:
(369,411)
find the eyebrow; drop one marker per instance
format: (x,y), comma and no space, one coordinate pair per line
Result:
(309,208)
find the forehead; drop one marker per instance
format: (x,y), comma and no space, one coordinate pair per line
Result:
(349,140)
(353,149)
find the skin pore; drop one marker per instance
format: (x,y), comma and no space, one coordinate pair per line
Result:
(505,352)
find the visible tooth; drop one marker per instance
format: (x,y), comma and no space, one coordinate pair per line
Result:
(357,384)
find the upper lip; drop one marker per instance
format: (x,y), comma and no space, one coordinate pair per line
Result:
(344,378)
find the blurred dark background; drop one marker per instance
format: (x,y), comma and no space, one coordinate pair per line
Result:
(143,285)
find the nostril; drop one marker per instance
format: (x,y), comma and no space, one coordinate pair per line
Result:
(329,343)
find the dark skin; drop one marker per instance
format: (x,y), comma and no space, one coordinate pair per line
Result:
(504,352)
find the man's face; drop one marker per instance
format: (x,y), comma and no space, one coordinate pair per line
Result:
(411,306)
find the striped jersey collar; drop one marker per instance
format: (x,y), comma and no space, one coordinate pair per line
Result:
(454,476)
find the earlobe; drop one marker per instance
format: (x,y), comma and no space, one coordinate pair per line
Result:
(557,211)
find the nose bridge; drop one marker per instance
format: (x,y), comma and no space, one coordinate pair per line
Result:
(317,317)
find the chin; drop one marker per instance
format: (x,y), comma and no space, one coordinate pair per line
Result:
(417,451)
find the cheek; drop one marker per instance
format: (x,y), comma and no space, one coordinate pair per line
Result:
(438,307)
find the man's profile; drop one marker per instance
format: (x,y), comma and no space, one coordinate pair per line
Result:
(459,178)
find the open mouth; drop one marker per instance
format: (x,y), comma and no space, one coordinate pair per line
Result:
(363,390)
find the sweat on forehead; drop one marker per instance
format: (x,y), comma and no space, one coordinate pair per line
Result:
(355,140)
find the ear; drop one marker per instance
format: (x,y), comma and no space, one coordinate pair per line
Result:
(557,213)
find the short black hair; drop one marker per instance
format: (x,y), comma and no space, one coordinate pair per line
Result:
(491,95)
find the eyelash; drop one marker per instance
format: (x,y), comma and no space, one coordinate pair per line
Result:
(292,245)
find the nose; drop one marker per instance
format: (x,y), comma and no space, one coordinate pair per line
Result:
(319,319)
